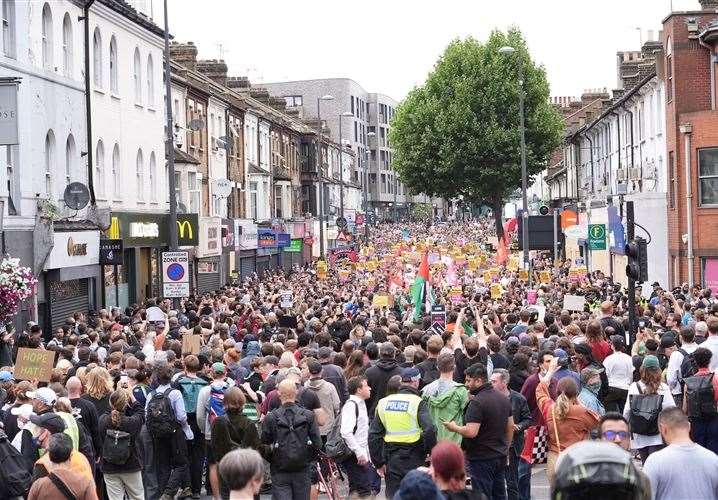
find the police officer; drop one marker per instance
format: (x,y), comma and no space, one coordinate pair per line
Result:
(402,432)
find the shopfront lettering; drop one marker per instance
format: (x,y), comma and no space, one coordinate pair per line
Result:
(144,230)
(75,249)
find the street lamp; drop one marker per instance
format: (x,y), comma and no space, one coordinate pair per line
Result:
(341,164)
(319,173)
(508,51)
(366,190)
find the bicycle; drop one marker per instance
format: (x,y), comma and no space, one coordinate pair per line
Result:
(337,486)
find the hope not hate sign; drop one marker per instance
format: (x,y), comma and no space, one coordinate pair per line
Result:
(34,364)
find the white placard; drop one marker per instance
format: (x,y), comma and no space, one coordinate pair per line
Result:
(286,300)
(154,313)
(574,302)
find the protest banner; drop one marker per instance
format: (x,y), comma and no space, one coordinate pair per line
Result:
(191,343)
(456,294)
(523,275)
(545,277)
(574,302)
(496,291)
(34,364)
(286,299)
(380,301)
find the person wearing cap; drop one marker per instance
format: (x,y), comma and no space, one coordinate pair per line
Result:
(564,367)
(219,385)
(649,383)
(590,385)
(403,433)
(49,424)
(379,374)
(583,359)
(65,474)
(619,372)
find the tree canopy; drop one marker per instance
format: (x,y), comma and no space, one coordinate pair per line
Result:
(459,134)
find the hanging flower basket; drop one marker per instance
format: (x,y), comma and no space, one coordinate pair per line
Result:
(17,283)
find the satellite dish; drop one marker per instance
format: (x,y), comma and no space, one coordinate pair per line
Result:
(196,124)
(76,196)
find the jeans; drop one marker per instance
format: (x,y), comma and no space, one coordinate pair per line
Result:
(512,475)
(524,479)
(358,475)
(291,485)
(171,462)
(489,477)
(705,433)
(399,461)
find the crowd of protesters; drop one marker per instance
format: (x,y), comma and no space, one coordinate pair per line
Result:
(276,399)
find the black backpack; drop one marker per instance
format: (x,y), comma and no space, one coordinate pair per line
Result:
(161,420)
(700,397)
(15,478)
(688,365)
(292,448)
(117,447)
(644,412)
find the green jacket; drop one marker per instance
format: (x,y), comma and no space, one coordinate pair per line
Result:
(446,401)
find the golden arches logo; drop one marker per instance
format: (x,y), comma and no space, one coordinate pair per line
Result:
(114,230)
(185,226)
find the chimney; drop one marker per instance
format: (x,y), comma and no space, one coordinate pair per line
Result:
(709,4)
(214,69)
(184,54)
(240,83)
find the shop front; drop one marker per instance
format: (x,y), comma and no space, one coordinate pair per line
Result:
(267,250)
(292,254)
(246,239)
(229,263)
(144,237)
(209,255)
(72,275)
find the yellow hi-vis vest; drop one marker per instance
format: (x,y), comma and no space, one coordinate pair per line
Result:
(400,415)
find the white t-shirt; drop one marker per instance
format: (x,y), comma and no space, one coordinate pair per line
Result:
(698,480)
(639,441)
(619,370)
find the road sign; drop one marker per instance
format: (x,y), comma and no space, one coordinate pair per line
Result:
(341,222)
(359,219)
(175,274)
(596,237)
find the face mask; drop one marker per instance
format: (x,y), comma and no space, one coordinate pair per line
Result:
(594,388)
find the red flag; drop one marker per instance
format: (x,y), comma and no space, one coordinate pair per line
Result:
(423,271)
(502,253)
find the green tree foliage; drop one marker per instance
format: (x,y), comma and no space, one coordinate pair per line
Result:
(459,134)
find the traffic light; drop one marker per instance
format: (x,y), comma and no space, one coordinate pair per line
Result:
(637,255)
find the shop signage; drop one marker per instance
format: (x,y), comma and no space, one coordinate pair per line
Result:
(8,113)
(175,274)
(283,240)
(210,235)
(266,238)
(111,252)
(710,275)
(152,230)
(596,237)
(74,248)
(245,234)
(294,246)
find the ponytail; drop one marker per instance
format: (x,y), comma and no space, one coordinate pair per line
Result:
(562,405)
(118,403)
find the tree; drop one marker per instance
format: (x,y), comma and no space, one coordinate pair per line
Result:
(459,134)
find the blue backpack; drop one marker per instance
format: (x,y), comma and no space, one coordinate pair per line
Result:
(215,405)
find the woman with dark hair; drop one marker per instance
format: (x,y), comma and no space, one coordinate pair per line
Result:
(596,341)
(649,383)
(519,371)
(568,421)
(355,365)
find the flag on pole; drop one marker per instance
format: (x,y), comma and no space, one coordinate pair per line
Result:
(502,253)
(421,292)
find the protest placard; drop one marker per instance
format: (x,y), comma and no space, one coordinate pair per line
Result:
(523,275)
(380,301)
(191,343)
(496,291)
(286,299)
(574,302)
(34,364)
(545,277)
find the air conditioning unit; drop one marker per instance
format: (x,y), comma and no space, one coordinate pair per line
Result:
(634,174)
(621,174)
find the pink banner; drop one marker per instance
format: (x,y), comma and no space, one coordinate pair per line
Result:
(711,275)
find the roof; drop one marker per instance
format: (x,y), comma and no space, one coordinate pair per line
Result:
(182,157)
(281,173)
(125,9)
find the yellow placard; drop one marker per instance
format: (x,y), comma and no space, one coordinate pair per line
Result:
(495,271)
(545,277)
(523,275)
(380,301)
(473,263)
(487,277)
(513,264)
(496,291)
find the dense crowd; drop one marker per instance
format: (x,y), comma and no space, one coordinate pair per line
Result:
(238,392)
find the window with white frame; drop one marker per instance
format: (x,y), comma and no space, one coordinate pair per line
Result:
(113,65)
(100,169)
(178,186)
(116,181)
(137,75)
(49,162)
(278,201)
(194,182)
(153,177)
(708,176)
(97,59)
(10,160)
(67,46)
(47,61)
(8,28)
(140,176)
(150,81)
(253,200)
(70,159)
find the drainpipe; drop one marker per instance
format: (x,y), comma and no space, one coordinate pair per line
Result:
(618,144)
(88,99)
(687,129)
(593,184)
(712,62)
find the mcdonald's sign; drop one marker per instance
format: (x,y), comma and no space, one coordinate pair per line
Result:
(187,230)
(152,230)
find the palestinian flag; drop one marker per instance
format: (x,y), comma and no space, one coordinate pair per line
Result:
(421,292)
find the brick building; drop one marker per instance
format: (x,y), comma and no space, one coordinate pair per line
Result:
(690,40)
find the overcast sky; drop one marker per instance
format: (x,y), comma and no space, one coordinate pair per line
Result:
(389,46)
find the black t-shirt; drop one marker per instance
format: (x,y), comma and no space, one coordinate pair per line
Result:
(491,410)
(499,360)
(306,399)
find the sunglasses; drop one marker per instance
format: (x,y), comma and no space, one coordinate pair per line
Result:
(611,435)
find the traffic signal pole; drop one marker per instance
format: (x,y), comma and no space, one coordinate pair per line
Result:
(630,235)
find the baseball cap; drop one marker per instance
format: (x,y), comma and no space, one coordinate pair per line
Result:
(6,376)
(650,361)
(50,421)
(410,374)
(44,394)
(218,367)
(560,354)
(667,341)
